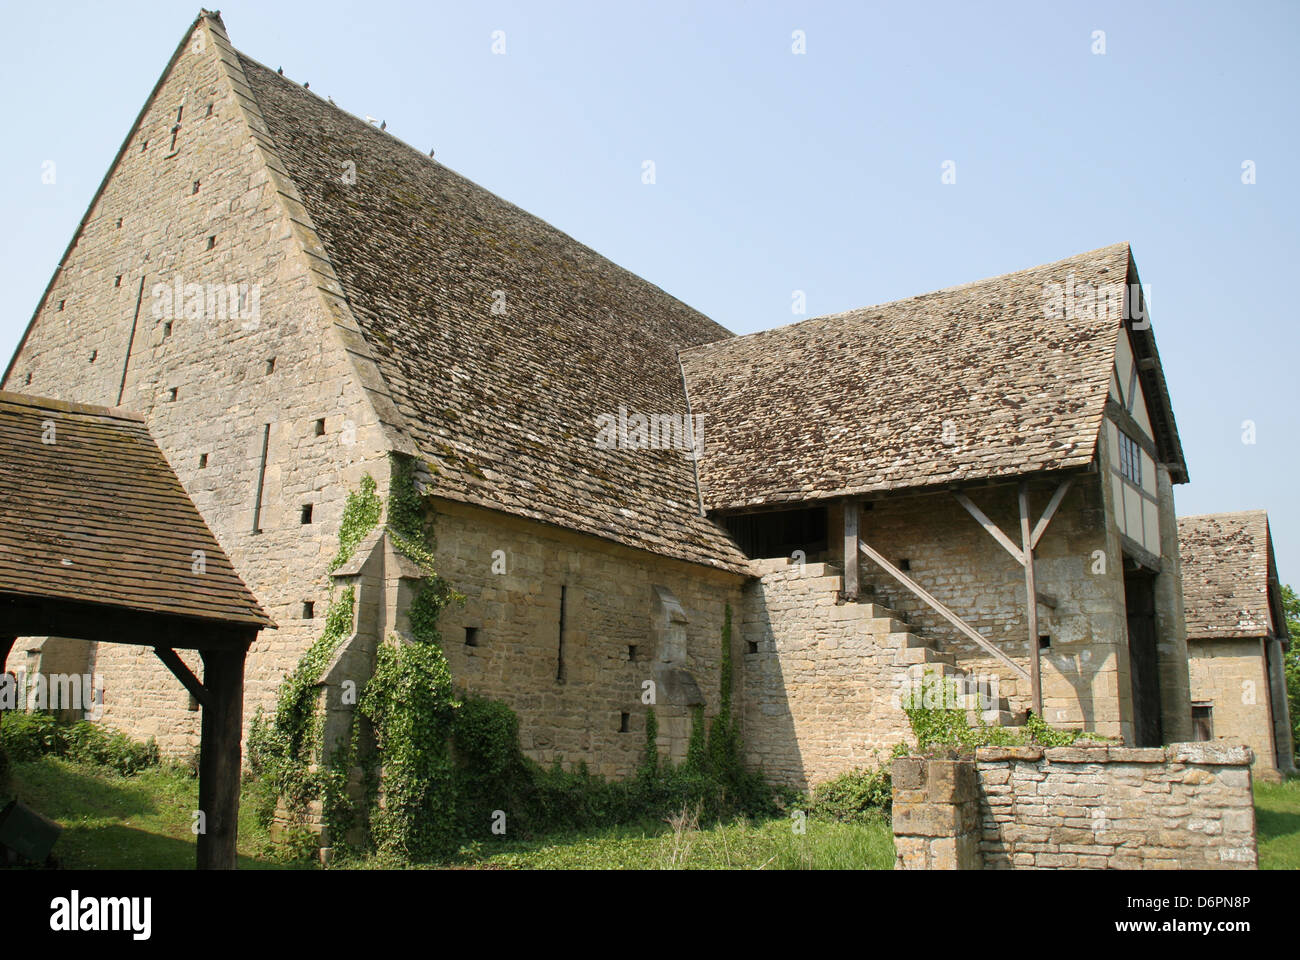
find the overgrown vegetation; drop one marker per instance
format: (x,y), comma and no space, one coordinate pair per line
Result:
(939,726)
(30,736)
(1291,609)
(858,796)
(445,771)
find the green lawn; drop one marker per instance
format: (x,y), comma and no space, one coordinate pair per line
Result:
(743,845)
(1277,819)
(143,822)
(139,822)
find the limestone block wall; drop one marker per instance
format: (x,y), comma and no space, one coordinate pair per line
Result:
(512,570)
(1184,806)
(952,556)
(205,210)
(821,686)
(1231,674)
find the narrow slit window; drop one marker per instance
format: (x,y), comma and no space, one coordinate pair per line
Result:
(195,188)
(172,393)
(624,723)
(261,480)
(270,365)
(751,646)
(93,355)
(117,281)
(559,658)
(308,610)
(631,653)
(62,304)
(203,461)
(320,427)
(119,223)
(167,329)
(212,242)
(471,636)
(306,513)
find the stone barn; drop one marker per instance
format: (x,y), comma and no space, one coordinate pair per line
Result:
(1237,636)
(977,482)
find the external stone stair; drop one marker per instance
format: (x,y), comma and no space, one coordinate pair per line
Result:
(918,652)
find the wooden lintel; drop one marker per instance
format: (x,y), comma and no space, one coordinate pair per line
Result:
(183,673)
(1041,527)
(941,609)
(992,528)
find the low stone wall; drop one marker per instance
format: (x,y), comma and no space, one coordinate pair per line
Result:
(1184,806)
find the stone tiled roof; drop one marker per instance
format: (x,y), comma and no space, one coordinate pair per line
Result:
(1227,561)
(969,383)
(91,511)
(502,403)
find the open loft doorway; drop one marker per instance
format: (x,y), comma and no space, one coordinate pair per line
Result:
(779,533)
(1144,665)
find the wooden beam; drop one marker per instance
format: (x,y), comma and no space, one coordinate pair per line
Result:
(1041,527)
(851,550)
(1031,601)
(219,758)
(942,610)
(991,527)
(28,616)
(177,666)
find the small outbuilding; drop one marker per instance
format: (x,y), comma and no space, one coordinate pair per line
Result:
(99,542)
(1237,635)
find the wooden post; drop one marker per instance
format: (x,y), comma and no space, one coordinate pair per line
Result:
(1031,600)
(219,757)
(850,550)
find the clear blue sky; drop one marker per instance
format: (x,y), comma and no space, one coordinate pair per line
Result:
(778,172)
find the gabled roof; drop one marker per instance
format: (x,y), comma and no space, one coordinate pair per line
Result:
(500,339)
(1228,570)
(975,382)
(90,511)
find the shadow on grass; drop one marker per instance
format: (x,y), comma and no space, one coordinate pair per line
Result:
(62,791)
(115,847)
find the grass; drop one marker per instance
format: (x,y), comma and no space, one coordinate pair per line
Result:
(1277,819)
(144,822)
(742,845)
(131,823)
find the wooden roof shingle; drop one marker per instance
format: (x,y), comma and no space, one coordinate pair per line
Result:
(501,339)
(1228,566)
(974,382)
(90,511)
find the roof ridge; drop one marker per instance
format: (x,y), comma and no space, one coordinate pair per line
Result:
(841,314)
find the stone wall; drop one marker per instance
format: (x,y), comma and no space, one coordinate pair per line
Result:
(821,679)
(1184,806)
(616,636)
(1231,674)
(1079,567)
(207,210)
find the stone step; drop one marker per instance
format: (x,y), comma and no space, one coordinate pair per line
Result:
(923,654)
(887,625)
(940,669)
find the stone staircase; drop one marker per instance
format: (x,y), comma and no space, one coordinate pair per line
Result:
(917,650)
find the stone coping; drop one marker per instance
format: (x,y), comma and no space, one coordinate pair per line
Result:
(1208,752)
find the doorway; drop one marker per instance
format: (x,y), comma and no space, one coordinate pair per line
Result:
(1144,668)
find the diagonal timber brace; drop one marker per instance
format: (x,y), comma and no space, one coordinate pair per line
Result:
(177,666)
(940,609)
(1024,555)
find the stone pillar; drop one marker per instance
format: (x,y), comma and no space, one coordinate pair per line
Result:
(1281,706)
(936,815)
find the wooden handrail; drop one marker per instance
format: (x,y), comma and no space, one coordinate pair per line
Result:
(940,609)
